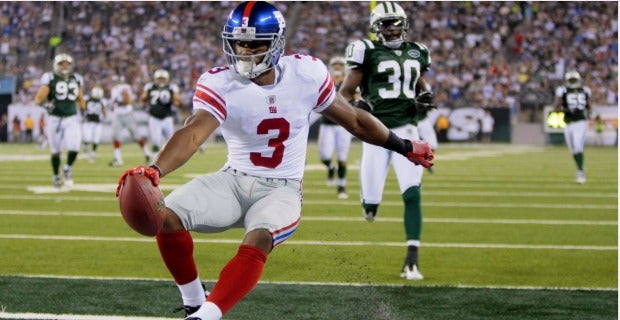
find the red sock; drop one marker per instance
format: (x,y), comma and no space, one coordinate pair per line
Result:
(177,251)
(238,277)
(141,143)
(117,144)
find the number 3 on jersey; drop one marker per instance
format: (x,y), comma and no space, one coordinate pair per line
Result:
(283,128)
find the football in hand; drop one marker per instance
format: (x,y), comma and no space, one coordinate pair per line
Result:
(142,205)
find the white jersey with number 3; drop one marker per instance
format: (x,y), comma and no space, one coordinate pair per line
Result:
(266,127)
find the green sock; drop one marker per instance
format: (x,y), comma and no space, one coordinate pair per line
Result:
(71,156)
(342,170)
(56,163)
(579,160)
(413,213)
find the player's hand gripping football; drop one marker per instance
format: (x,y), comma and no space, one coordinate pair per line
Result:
(421,154)
(149,172)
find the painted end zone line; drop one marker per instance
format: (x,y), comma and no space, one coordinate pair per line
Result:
(49,316)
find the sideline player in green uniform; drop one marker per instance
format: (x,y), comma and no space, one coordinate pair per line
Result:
(62,93)
(389,72)
(573,99)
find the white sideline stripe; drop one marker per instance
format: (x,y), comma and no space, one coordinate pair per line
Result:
(473,221)
(50,316)
(325,243)
(62,197)
(451,193)
(347,219)
(316,283)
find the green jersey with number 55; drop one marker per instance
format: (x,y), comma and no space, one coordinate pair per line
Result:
(63,93)
(575,102)
(390,77)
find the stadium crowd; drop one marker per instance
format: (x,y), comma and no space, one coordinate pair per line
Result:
(484,53)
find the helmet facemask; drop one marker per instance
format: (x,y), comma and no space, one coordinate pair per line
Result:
(572,79)
(246,65)
(162,77)
(60,65)
(253,25)
(96,93)
(389,23)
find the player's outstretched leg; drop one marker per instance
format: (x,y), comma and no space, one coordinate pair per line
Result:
(177,251)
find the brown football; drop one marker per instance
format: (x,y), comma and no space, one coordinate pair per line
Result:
(142,205)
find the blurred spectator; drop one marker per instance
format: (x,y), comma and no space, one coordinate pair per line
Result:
(29,127)
(477,47)
(4,128)
(487,124)
(17,130)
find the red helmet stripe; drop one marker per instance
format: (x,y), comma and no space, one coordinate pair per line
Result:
(246,13)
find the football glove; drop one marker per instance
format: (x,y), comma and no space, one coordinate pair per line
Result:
(424,101)
(421,154)
(149,172)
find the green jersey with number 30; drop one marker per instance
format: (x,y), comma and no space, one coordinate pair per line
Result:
(390,77)
(63,93)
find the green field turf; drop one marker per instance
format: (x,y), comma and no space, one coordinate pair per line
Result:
(507,235)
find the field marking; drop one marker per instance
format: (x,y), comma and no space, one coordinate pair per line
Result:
(317,283)
(323,243)
(452,193)
(345,219)
(65,197)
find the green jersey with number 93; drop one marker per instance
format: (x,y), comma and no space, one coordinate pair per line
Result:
(63,93)
(390,77)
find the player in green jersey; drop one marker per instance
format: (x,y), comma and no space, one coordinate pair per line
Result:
(573,98)
(161,98)
(389,72)
(61,92)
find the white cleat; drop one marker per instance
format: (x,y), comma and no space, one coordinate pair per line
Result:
(581,177)
(68,180)
(370,215)
(342,193)
(115,163)
(411,273)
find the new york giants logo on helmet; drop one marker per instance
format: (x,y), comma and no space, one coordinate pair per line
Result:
(254,21)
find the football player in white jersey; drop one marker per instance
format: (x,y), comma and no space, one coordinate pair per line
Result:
(335,138)
(93,115)
(262,102)
(121,99)
(573,98)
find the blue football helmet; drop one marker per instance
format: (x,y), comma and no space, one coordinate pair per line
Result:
(254,21)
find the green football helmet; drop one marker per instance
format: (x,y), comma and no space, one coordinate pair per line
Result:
(389,23)
(61,70)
